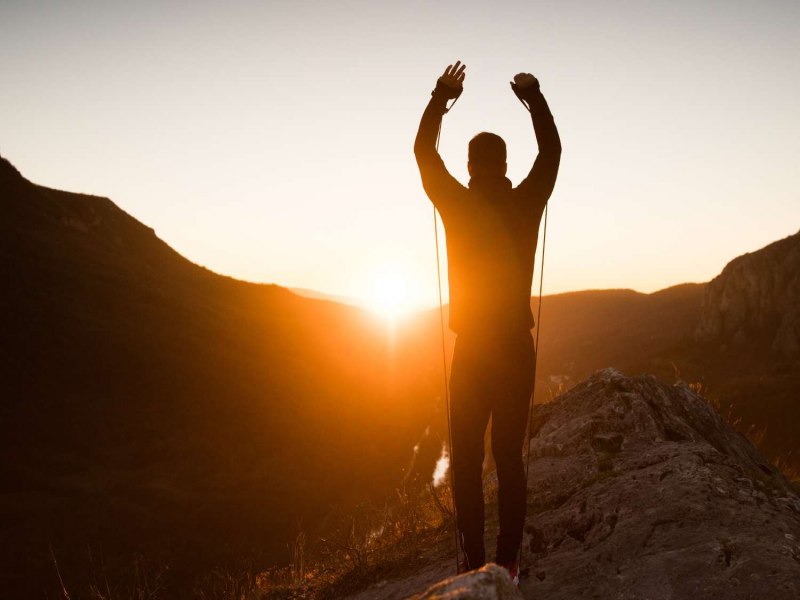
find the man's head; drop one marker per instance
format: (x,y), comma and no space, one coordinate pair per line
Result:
(487,155)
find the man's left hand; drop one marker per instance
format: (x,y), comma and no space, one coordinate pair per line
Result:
(452,80)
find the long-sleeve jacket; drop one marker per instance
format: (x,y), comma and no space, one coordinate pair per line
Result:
(491,227)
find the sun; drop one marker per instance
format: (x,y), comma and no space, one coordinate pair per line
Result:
(389,296)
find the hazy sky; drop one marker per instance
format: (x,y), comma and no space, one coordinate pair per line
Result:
(272,141)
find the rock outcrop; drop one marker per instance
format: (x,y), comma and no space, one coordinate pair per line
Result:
(639,489)
(756,300)
(488,583)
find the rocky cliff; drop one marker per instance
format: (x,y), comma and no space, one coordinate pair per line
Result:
(756,301)
(639,489)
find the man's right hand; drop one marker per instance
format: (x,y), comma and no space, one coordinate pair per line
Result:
(525,86)
(525,80)
(451,82)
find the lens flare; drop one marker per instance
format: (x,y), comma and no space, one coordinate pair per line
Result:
(442,465)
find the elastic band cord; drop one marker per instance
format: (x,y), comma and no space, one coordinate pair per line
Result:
(447,108)
(519,97)
(441,86)
(456,536)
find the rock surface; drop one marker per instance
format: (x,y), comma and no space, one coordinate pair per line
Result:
(639,489)
(756,299)
(488,583)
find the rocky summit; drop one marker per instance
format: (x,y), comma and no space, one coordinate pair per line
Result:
(490,582)
(639,489)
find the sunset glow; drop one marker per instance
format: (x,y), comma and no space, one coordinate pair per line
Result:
(208,122)
(390,296)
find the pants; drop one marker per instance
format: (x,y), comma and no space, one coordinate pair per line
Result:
(491,375)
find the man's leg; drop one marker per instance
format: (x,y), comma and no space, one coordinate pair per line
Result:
(469,417)
(515,379)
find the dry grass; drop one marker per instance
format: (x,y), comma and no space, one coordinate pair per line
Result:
(790,467)
(360,545)
(146,582)
(788,464)
(372,543)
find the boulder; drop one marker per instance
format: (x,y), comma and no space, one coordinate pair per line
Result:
(491,582)
(639,489)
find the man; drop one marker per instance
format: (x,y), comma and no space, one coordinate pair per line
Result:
(492,230)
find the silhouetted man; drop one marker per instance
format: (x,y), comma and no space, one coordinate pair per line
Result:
(492,230)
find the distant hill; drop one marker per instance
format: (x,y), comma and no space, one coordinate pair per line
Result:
(580,331)
(323,296)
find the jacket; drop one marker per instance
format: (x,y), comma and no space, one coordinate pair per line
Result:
(491,227)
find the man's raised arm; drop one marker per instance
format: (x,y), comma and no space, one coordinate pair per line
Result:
(542,178)
(437,181)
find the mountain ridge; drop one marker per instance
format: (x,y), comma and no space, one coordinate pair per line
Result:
(200,392)
(755,300)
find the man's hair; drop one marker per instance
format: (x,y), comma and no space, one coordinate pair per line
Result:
(487,152)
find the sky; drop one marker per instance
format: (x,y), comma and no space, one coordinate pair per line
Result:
(272,141)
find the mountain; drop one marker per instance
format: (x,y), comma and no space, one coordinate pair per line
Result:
(153,407)
(581,332)
(747,346)
(755,303)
